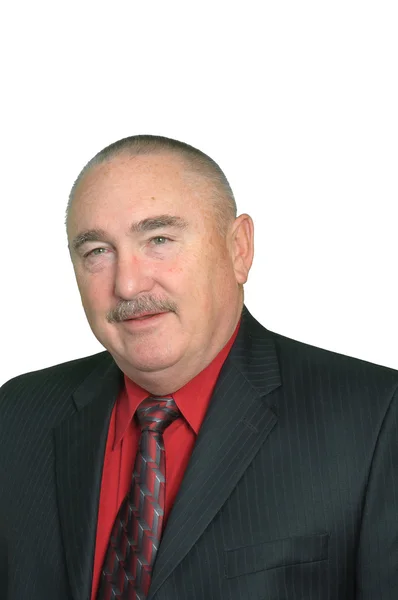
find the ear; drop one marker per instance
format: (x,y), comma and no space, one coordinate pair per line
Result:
(242,247)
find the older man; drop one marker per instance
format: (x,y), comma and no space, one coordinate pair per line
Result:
(200,456)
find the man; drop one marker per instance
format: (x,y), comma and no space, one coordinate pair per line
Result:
(201,456)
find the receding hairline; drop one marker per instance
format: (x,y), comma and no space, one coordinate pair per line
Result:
(124,157)
(195,161)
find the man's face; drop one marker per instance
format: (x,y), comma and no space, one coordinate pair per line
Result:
(144,241)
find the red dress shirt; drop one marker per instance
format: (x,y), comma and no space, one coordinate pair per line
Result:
(122,444)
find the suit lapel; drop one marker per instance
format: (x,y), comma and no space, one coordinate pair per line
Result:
(80,446)
(237,423)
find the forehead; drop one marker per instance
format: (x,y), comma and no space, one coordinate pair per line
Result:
(140,185)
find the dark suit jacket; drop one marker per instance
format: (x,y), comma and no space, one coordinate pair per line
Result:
(291,492)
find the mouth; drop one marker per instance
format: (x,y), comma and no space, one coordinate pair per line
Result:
(144,316)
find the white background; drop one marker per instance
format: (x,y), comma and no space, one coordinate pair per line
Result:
(297,102)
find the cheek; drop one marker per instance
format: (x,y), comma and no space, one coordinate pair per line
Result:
(175,271)
(181,282)
(170,276)
(95,293)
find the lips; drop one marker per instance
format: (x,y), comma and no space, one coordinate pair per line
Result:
(145,315)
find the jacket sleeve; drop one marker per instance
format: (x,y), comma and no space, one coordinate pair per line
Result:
(377,559)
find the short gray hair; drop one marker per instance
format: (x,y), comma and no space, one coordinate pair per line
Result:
(197,162)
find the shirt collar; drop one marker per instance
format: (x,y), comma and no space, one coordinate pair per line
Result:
(127,403)
(194,397)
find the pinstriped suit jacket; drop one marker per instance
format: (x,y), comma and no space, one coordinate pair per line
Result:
(291,492)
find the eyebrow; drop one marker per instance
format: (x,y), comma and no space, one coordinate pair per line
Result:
(149,224)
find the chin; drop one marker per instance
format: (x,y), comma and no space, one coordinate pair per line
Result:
(147,362)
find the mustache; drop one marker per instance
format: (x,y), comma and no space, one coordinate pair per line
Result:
(128,309)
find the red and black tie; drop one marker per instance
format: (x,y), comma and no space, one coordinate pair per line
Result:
(136,533)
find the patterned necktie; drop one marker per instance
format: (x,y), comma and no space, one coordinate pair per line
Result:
(136,533)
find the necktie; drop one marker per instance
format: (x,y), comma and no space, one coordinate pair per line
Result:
(136,533)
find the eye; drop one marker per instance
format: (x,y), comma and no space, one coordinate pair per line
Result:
(95,252)
(159,240)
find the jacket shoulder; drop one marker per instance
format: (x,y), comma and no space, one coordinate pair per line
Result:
(334,366)
(67,375)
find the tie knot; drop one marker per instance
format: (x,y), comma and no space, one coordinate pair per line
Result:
(155,414)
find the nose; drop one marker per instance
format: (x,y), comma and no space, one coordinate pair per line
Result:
(132,277)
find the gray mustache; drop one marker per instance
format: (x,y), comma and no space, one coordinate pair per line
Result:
(129,309)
